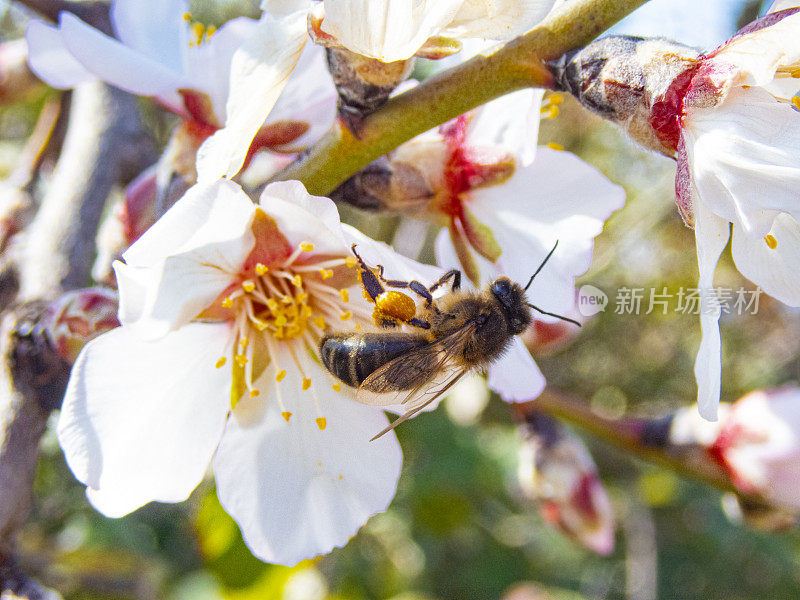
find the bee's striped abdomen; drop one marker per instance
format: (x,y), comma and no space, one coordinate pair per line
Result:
(352,357)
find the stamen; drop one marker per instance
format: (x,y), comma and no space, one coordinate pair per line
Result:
(261,269)
(337,387)
(555,146)
(227,303)
(344,294)
(549,111)
(187,17)
(306,383)
(771,241)
(351,261)
(248,286)
(306,246)
(322,423)
(346,316)
(555,99)
(326,273)
(254,392)
(211,30)
(220,362)
(280,375)
(320,322)
(297,281)
(241,360)
(244,342)
(300,297)
(286,415)
(796,102)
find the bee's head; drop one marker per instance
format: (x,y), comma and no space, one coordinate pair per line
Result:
(511,298)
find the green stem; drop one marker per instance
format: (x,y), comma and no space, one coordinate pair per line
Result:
(691,462)
(517,65)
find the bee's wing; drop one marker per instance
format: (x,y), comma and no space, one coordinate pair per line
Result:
(420,366)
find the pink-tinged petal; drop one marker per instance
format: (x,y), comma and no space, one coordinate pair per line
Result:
(141,420)
(775,270)
(745,158)
(259,71)
(298,491)
(208,65)
(118,64)
(388,30)
(511,122)
(684,187)
(154,28)
(301,217)
(500,20)
(711,234)
(515,376)
(186,260)
(49,58)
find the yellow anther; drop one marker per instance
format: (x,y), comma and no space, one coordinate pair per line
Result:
(306,311)
(280,375)
(248,286)
(300,297)
(278,333)
(254,393)
(555,146)
(550,111)
(350,261)
(210,31)
(555,99)
(365,294)
(227,303)
(261,269)
(291,311)
(241,360)
(796,102)
(358,327)
(221,362)
(344,294)
(326,273)
(259,324)
(293,331)
(322,423)
(771,241)
(272,305)
(346,316)
(281,320)
(187,17)
(337,387)
(306,383)
(320,322)
(306,246)
(198,29)
(286,415)
(297,281)
(244,342)
(341,476)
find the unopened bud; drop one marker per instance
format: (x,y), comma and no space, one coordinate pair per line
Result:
(78,317)
(624,79)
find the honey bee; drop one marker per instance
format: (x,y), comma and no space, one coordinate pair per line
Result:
(461,331)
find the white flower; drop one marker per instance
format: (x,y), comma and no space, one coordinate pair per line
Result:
(186,66)
(733,119)
(503,214)
(222,304)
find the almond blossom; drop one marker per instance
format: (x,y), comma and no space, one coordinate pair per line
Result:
(733,119)
(222,304)
(161,51)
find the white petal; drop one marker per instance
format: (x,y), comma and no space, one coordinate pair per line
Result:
(152,27)
(186,259)
(711,234)
(497,19)
(388,30)
(259,71)
(515,376)
(776,271)
(49,58)
(783,5)
(745,158)
(208,65)
(301,217)
(284,7)
(296,491)
(511,122)
(141,420)
(118,64)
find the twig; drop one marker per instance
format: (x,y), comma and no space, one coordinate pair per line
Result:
(518,64)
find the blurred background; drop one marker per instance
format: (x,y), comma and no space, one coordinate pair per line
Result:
(459,526)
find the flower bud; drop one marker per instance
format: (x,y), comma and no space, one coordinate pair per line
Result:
(557,471)
(78,317)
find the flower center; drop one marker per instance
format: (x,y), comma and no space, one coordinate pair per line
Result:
(199,32)
(287,306)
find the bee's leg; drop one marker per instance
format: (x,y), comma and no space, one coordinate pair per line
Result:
(415,322)
(456,276)
(371,283)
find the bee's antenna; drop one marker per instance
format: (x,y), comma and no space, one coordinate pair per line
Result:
(563,318)
(541,266)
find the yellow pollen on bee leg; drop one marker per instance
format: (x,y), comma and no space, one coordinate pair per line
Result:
(322,423)
(286,415)
(306,246)
(306,383)
(365,294)
(555,146)
(248,286)
(346,316)
(261,269)
(771,241)
(280,375)
(344,294)
(220,362)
